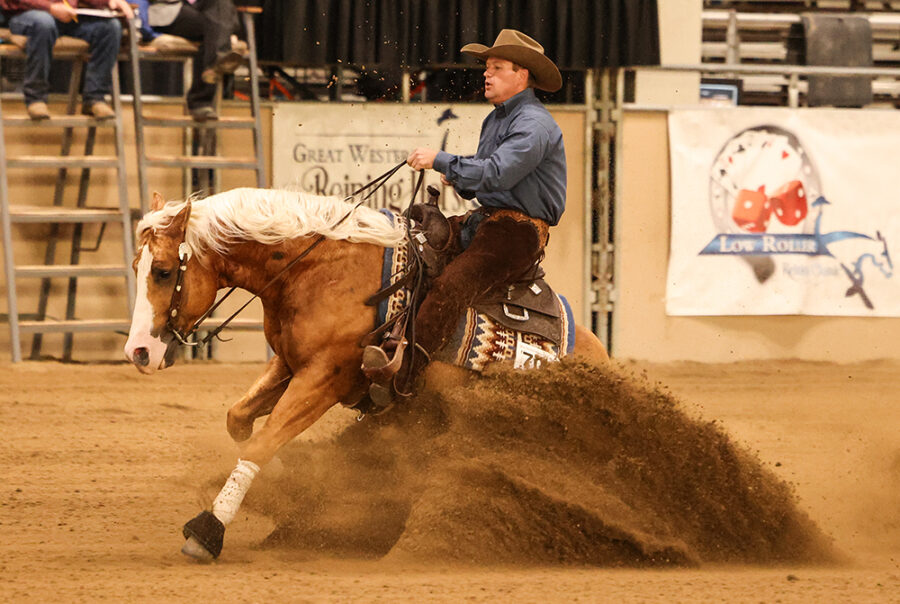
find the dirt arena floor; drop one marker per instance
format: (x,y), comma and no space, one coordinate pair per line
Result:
(746,482)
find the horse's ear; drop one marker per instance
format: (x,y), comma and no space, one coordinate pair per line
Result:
(178,225)
(158,202)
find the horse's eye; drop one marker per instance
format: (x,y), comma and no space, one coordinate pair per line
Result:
(161,274)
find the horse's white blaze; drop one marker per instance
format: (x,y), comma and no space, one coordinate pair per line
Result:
(142,321)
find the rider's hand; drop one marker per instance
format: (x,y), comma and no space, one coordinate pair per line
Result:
(62,12)
(421,158)
(445,181)
(123,7)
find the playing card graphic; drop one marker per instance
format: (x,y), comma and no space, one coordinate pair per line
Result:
(762,181)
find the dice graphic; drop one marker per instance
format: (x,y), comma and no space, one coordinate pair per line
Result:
(789,203)
(752,210)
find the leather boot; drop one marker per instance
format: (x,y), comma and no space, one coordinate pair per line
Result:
(380,365)
(225,64)
(38,110)
(391,377)
(99,110)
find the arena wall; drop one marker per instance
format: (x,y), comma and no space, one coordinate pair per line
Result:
(641,328)
(98,297)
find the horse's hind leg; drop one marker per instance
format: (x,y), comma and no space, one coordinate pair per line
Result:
(259,400)
(588,347)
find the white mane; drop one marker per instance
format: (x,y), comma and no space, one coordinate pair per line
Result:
(272,216)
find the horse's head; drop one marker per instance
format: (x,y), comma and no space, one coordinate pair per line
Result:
(159,310)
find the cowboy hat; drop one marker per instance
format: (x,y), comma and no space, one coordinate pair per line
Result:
(515,46)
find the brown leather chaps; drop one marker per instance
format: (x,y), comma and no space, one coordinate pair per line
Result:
(505,246)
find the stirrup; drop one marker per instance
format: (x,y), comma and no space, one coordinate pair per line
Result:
(404,388)
(376,365)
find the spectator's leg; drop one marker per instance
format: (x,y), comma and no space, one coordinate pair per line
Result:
(224,21)
(40,28)
(104,37)
(192,26)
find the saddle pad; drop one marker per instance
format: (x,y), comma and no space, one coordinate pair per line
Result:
(480,340)
(395,260)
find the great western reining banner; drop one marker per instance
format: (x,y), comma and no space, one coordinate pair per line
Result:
(333,149)
(780,211)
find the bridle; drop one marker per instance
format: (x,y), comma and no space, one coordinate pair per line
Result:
(184,256)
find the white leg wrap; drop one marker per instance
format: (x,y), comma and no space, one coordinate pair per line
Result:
(228,501)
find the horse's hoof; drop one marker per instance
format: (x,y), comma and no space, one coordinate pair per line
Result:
(207,532)
(193,549)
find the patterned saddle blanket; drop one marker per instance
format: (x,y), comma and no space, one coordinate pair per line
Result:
(530,326)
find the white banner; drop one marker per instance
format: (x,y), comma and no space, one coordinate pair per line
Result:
(780,211)
(333,149)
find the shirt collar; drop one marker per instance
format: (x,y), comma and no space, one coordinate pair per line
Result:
(509,105)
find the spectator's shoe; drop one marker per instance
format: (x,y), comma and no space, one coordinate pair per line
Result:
(204,113)
(226,63)
(38,110)
(98,109)
(239,45)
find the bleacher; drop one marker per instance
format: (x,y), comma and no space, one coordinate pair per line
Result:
(769,33)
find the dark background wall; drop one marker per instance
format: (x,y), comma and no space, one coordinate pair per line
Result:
(577,34)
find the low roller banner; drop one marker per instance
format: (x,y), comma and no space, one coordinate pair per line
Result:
(780,211)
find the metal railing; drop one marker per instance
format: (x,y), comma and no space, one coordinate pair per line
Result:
(792,73)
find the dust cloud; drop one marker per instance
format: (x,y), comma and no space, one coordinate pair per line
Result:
(571,465)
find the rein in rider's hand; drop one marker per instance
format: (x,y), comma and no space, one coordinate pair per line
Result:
(421,158)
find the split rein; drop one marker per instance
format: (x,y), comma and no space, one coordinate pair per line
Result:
(184,255)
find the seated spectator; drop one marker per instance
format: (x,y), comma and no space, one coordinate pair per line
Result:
(42,22)
(209,22)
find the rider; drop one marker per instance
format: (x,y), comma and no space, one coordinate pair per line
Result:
(518,176)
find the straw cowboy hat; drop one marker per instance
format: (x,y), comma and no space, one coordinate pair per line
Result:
(515,46)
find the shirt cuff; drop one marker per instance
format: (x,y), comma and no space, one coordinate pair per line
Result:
(442,162)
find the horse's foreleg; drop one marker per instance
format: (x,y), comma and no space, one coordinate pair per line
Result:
(259,400)
(205,533)
(301,405)
(304,401)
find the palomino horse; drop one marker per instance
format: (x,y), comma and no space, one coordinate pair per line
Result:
(314,315)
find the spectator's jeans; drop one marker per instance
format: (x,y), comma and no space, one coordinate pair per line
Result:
(42,30)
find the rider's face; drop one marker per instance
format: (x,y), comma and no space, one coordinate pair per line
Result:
(503,79)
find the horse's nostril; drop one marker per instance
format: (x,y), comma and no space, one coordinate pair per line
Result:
(141,357)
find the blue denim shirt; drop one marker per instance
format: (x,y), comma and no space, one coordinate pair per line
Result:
(520,162)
